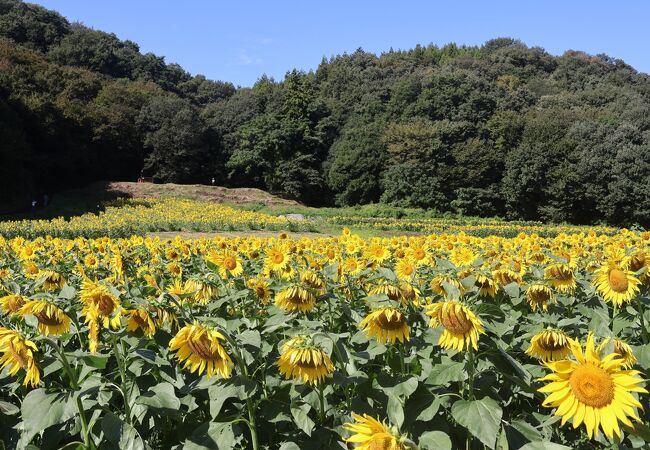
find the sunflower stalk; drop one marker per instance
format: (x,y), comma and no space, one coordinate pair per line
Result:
(252,425)
(644,331)
(321,400)
(122,368)
(74,382)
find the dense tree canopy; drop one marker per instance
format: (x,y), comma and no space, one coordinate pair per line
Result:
(501,129)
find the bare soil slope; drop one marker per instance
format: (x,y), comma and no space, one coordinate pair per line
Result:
(238,196)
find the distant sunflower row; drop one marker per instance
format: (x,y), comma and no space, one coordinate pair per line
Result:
(139,216)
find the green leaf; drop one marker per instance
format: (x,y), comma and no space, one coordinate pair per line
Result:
(301,418)
(161,396)
(120,433)
(211,435)
(527,430)
(445,373)
(395,410)
(41,410)
(642,353)
(67,293)
(218,395)
(435,440)
(226,389)
(289,446)
(481,417)
(8,409)
(544,445)
(512,290)
(430,411)
(250,337)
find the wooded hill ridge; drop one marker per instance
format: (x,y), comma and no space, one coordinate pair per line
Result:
(501,129)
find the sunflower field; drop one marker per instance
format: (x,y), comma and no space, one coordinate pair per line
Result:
(444,341)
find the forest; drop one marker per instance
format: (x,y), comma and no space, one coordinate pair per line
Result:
(503,129)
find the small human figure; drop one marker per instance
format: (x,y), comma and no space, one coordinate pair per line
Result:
(213,180)
(34,203)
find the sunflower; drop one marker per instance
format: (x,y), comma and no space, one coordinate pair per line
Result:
(200,348)
(549,345)
(461,326)
(261,288)
(301,359)
(229,264)
(101,306)
(409,293)
(561,277)
(622,349)
(593,390)
(505,276)
(51,319)
(140,319)
(487,287)
(202,292)
(616,284)
(311,279)
(437,285)
(276,259)
(386,325)
(18,353)
(51,280)
(405,269)
(91,261)
(12,303)
(377,252)
(539,296)
(352,266)
(371,434)
(295,298)
(462,256)
(386,288)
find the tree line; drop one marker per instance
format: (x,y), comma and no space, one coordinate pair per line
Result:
(501,129)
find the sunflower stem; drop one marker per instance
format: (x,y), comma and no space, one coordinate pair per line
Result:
(88,443)
(644,330)
(252,425)
(321,399)
(470,372)
(122,369)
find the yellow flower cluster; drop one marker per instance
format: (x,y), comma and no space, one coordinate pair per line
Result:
(380,287)
(129,217)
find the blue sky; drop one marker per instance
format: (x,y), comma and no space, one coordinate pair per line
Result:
(238,41)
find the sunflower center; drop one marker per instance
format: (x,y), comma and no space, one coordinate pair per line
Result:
(539,295)
(618,280)
(278,258)
(592,385)
(380,443)
(395,322)
(551,344)
(260,291)
(202,348)
(638,262)
(18,355)
(230,263)
(105,304)
(140,319)
(561,273)
(14,303)
(46,319)
(455,322)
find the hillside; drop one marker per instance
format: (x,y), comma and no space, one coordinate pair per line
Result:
(503,129)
